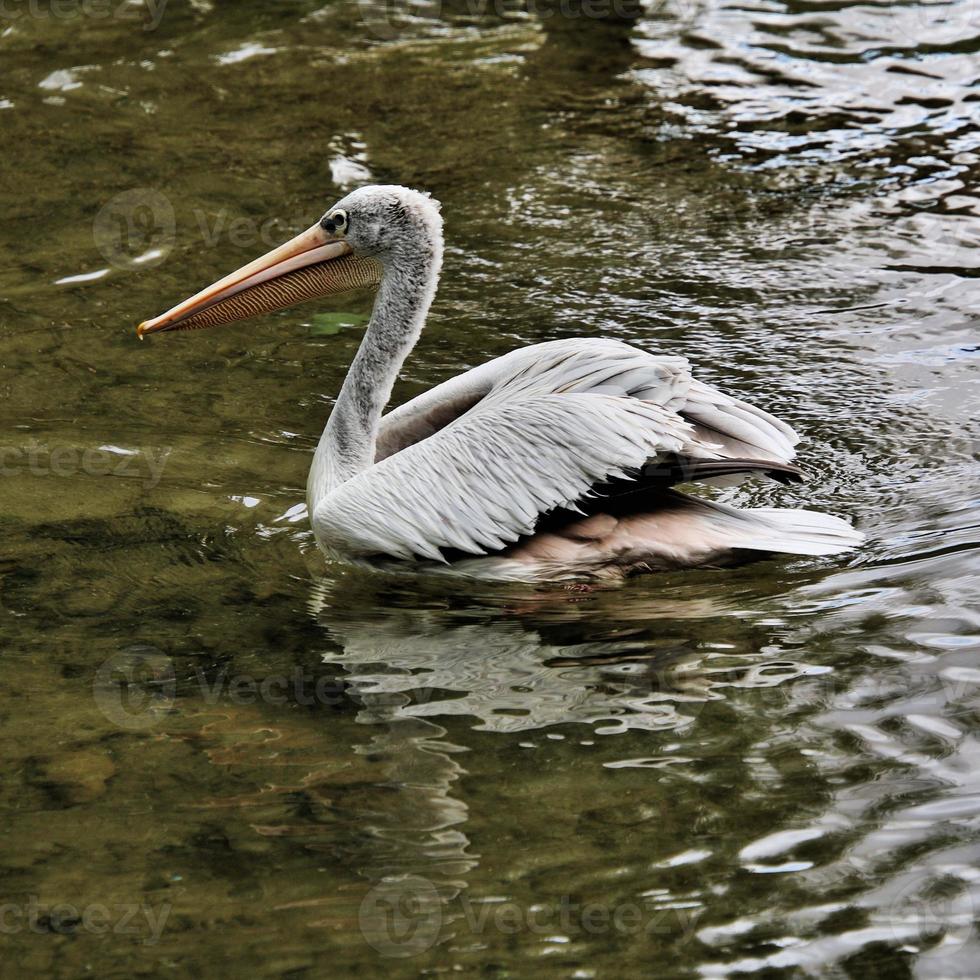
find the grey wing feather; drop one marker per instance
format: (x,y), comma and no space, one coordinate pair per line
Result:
(472,464)
(738,428)
(483,481)
(734,427)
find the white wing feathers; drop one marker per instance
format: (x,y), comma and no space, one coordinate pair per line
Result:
(484,480)
(741,429)
(555,419)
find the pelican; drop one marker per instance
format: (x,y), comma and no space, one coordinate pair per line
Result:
(554,462)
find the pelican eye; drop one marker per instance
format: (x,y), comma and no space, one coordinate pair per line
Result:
(336,221)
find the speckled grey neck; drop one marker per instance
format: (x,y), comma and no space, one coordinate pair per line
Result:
(411,274)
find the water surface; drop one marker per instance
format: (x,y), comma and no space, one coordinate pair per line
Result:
(224,756)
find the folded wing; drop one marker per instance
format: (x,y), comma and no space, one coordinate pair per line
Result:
(474,463)
(483,481)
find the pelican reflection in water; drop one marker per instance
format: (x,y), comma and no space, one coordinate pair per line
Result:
(556,461)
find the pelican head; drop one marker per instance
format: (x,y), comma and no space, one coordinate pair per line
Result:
(367,232)
(387,222)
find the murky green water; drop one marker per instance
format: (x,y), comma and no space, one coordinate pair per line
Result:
(223,757)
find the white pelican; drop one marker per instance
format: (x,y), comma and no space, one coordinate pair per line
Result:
(553,462)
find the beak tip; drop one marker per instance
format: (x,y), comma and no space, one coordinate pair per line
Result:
(310,247)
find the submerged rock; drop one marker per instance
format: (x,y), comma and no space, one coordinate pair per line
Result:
(77,777)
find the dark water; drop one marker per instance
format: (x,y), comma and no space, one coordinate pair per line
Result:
(223,757)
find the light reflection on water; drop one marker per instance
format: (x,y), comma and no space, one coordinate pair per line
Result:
(772,768)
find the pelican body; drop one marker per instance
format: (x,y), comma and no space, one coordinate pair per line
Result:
(557,461)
